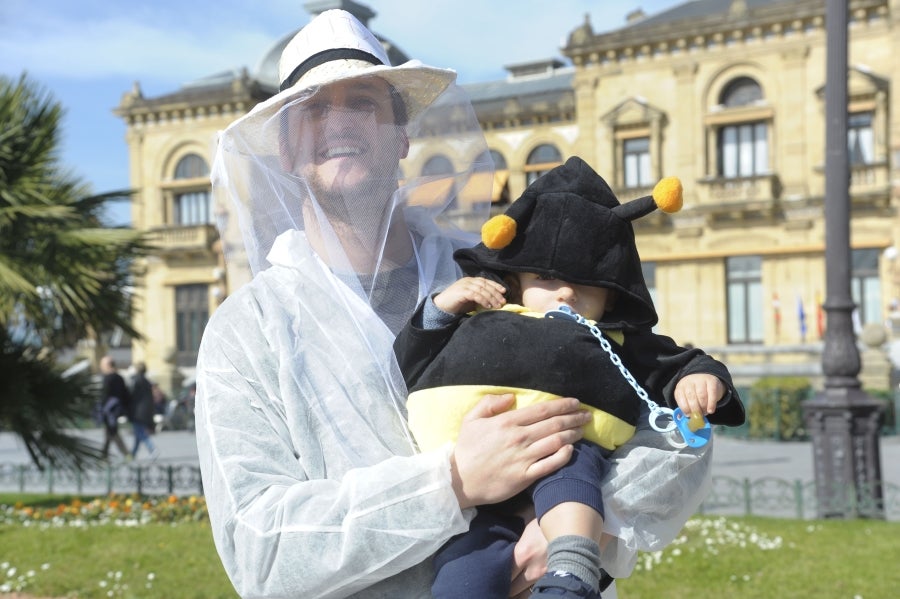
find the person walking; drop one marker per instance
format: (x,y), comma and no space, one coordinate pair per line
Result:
(114,402)
(142,411)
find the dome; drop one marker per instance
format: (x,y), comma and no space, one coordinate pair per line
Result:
(267,70)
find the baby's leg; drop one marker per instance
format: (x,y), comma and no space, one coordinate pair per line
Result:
(478,563)
(569,507)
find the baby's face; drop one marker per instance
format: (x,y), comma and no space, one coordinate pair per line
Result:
(541,293)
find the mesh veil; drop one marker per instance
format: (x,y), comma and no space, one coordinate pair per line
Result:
(297,380)
(389,252)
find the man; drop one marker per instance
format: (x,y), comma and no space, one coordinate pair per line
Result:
(114,402)
(313,483)
(142,411)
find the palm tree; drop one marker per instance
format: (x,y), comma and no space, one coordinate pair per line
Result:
(64,278)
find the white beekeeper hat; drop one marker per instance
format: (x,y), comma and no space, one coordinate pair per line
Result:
(335,46)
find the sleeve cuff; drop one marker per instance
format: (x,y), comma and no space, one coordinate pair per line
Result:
(435,318)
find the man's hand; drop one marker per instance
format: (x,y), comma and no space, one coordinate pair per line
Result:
(501,451)
(468,293)
(529,558)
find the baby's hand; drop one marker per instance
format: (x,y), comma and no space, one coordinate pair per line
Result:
(468,293)
(699,393)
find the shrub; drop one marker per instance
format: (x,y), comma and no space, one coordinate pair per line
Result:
(889,409)
(774,411)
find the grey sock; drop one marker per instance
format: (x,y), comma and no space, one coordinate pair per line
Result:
(575,555)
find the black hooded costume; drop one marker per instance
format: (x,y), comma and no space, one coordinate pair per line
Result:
(567,225)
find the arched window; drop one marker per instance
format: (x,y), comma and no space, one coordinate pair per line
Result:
(191,167)
(437,165)
(499,160)
(742,141)
(500,191)
(540,160)
(192,204)
(743,91)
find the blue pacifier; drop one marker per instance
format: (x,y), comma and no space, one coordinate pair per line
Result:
(697,438)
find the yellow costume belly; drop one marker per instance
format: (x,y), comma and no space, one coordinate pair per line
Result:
(436,414)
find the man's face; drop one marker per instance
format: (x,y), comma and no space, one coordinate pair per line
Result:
(344,139)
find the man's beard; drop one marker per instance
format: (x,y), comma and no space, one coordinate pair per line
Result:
(362,205)
(358,215)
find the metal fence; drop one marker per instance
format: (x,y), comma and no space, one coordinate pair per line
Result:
(150,479)
(780,498)
(771,497)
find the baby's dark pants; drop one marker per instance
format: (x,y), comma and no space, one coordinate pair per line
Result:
(478,563)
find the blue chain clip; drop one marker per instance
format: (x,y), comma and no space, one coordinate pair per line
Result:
(678,421)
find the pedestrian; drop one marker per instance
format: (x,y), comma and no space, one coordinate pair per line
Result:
(114,402)
(160,401)
(142,411)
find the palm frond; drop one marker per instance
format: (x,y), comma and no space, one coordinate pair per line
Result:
(63,276)
(39,404)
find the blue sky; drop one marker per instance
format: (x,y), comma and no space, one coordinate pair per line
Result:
(88,53)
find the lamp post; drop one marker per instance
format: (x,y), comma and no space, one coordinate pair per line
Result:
(842,420)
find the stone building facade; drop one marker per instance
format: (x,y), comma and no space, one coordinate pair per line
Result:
(728,95)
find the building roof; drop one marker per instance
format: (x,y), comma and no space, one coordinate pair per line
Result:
(695,19)
(557,80)
(701,9)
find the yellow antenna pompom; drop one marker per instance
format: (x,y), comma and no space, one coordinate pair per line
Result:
(669,195)
(498,232)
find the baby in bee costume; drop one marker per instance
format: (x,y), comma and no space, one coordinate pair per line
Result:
(566,242)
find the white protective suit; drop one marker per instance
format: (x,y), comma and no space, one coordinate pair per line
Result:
(313,483)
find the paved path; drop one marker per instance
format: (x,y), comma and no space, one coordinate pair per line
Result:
(732,457)
(173,446)
(794,460)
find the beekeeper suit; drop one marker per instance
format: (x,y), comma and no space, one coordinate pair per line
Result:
(313,483)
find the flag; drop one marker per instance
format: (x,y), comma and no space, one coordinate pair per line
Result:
(820,316)
(776,308)
(801,317)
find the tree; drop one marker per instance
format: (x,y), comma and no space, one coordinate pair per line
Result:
(64,278)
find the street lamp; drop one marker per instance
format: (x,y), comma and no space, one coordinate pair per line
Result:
(842,420)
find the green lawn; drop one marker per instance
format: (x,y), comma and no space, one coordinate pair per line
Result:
(153,560)
(172,556)
(714,558)
(767,557)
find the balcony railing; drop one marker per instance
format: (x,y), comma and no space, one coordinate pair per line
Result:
(181,239)
(732,190)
